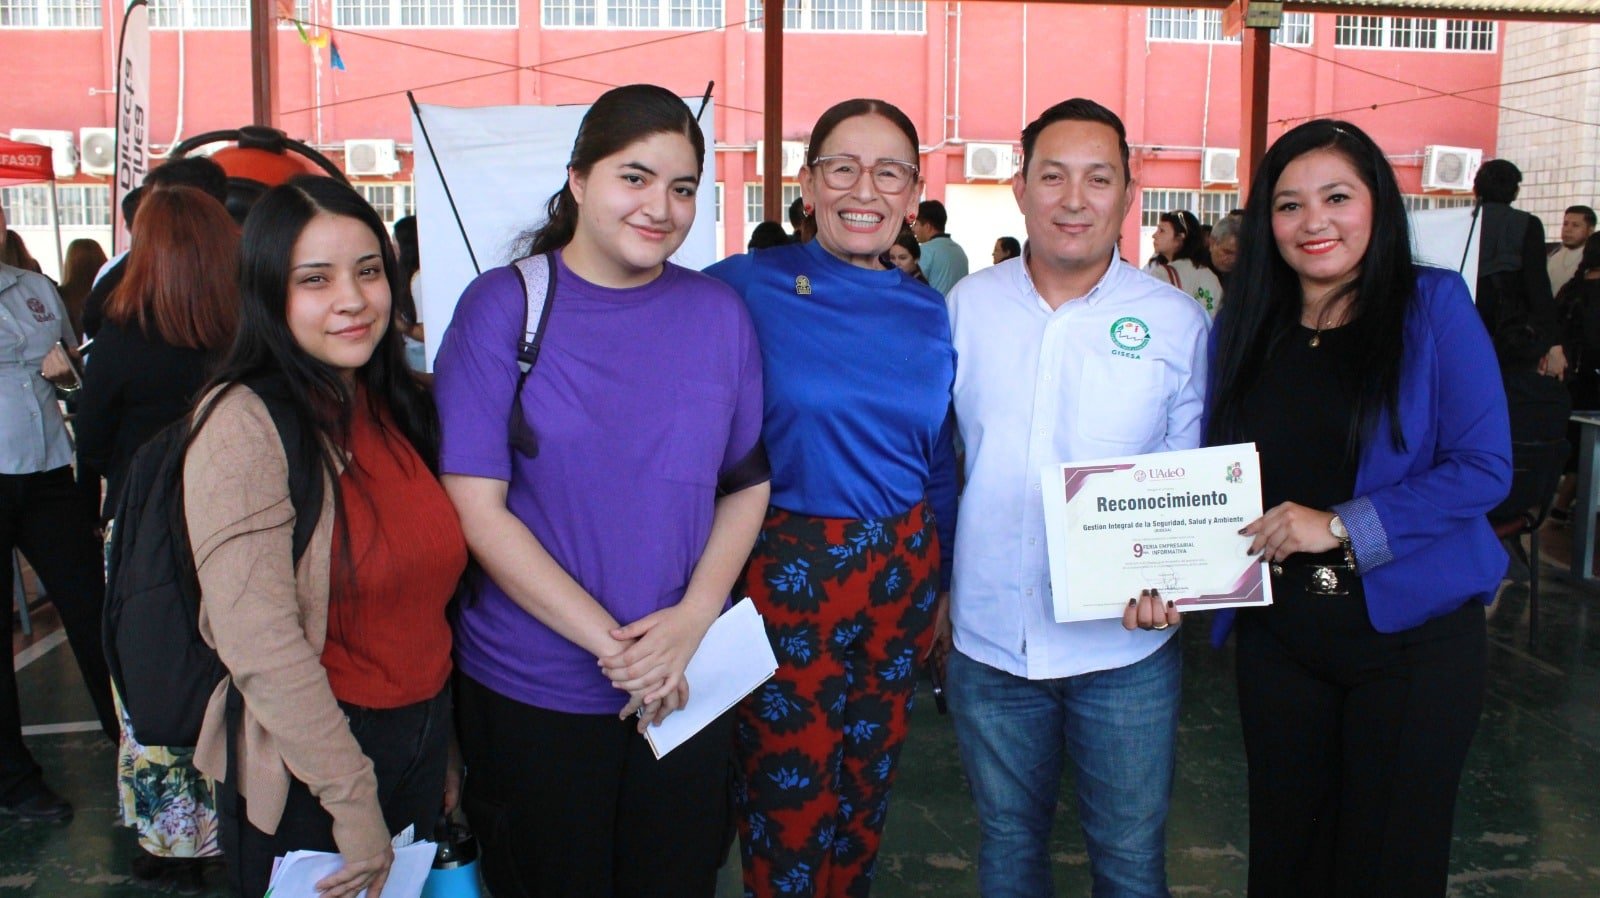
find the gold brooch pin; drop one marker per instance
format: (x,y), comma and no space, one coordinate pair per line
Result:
(802,285)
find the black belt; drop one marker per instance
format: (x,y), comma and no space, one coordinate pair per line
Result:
(1314,579)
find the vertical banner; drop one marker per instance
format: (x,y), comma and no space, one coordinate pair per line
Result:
(133,113)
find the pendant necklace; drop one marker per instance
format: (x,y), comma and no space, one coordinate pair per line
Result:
(1316,338)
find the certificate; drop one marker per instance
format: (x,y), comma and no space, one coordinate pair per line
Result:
(1168,521)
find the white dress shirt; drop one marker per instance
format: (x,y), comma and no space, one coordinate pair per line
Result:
(1562,265)
(1036,386)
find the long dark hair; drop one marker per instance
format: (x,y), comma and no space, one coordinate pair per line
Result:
(620,117)
(266,349)
(1264,302)
(1191,238)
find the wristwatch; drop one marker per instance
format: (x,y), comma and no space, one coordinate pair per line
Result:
(1337,528)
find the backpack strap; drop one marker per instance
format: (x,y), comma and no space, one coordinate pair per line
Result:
(538,290)
(305,484)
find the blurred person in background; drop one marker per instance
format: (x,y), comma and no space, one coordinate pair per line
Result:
(406,316)
(1225,246)
(84,260)
(1577,224)
(170,319)
(943,260)
(1180,248)
(768,234)
(15,253)
(906,254)
(190,171)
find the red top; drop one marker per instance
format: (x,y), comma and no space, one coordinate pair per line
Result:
(388,639)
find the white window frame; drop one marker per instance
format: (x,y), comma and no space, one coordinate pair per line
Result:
(80,205)
(1156,201)
(755,205)
(1418,202)
(844,16)
(402,202)
(51,14)
(633,15)
(362,13)
(303,12)
(162,13)
(1210,206)
(1204,26)
(1414,33)
(1214,205)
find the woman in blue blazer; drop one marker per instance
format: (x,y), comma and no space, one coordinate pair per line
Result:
(1371,391)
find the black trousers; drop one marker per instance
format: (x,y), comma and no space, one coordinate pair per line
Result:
(577,806)
(45,517)
(1356,741)
(409,748)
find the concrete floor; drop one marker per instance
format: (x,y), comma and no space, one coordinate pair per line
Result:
(1526,823)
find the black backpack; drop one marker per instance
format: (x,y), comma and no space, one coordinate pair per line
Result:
(162,669)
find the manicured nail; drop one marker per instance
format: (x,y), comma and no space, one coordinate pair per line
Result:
(1169,604)
(1132,602)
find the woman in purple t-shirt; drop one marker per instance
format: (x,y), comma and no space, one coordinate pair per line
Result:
(611,535)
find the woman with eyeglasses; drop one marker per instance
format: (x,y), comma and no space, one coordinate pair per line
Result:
(852,563)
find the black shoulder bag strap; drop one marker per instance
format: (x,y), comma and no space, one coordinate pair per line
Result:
(539,290)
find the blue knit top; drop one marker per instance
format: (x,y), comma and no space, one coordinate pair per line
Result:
(858,367)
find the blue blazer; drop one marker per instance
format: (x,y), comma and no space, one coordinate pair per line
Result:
(1422,543)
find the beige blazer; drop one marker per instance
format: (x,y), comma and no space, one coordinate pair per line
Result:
(268,622)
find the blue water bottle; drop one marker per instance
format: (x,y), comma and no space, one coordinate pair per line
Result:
(455,864)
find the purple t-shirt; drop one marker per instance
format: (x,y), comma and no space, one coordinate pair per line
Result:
(640,400)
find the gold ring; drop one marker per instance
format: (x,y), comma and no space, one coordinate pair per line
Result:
(1162,627)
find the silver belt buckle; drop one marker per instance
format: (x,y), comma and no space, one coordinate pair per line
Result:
(1321,580)
(1325,581)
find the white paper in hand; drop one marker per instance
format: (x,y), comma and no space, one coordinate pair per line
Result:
(733,659)
(298,872)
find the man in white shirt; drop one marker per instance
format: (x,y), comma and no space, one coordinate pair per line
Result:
(1576,227)
(1053,370)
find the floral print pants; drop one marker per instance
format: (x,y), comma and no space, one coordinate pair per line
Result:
(848,606)
(163,797)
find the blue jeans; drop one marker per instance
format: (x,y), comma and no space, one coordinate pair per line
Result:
(1118,726)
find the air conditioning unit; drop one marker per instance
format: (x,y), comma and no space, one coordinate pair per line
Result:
(794,157)
(65,150)
(370,157)
(1449,168)
(1219,166)
(97,150)
(990,161)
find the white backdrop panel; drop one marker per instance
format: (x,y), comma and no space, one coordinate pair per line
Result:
(1438,237)
(502,164)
